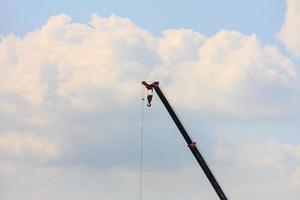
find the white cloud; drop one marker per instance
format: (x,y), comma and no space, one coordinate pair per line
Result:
(263,166)
(19,71)
(234,74)
(289,33)
(294,179)
(25,144)
(93,67)
(81,64)
(250,150)
(70,80)
(180,45)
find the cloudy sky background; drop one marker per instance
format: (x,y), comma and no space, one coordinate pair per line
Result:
(70,98)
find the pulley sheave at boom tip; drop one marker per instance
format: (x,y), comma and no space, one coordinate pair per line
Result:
(150,90)
(190,143)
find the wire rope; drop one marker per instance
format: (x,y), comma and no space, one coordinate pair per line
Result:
(141,145)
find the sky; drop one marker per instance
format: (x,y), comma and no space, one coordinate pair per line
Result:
(70,98)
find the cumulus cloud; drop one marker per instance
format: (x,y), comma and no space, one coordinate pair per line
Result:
(268,165)
(97,65)
(72,84)
(294,179)
(234,74)
(24,144)
(76,63)
(180,45)
(289,33)
(250,150)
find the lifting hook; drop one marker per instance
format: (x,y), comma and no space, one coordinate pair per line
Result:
(150,91)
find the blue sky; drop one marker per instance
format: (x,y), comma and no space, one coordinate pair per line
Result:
(263,18)
(70,74)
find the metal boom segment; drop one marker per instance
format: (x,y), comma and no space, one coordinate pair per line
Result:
(191,144)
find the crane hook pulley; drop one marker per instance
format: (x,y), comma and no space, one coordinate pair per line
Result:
(149,96)
(150,91)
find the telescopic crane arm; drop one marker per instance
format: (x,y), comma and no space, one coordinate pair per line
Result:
(190,143)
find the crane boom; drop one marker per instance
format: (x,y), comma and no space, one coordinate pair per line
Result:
(191,144)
